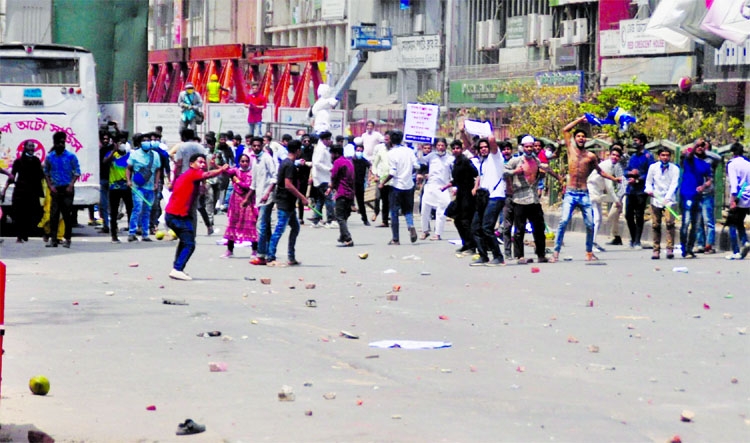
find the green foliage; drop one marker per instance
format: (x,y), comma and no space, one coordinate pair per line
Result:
(544,111)
(431,96)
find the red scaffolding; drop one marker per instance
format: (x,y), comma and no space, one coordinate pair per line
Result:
(285,74)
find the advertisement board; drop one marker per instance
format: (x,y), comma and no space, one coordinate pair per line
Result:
(147,116)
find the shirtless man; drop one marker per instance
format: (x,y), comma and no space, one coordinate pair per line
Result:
(580,165)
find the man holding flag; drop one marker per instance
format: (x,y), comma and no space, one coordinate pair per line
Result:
(661,184)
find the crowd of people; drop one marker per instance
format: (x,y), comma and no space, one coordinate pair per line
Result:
(490,189)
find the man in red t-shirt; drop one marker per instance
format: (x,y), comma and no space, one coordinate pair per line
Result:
(255,105)
(177,213)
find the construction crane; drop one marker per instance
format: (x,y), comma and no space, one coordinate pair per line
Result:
(367,37)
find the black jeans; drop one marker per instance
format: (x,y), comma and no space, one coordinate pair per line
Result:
(343,211)
(62,203)
(115,196)
(507,229)
(303,177)
(534,214)
(635,207)
(385,202)
(359,193)
(483,227)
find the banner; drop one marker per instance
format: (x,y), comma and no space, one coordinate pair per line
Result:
(678,22)
(729,19)
(420,125)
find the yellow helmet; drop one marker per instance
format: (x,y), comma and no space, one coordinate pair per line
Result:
(214,77)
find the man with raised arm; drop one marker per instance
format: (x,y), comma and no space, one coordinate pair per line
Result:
(580,165)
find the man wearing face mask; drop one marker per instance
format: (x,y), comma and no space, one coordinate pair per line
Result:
(142,175)
(635,195)
(117,164)
(522,175)
(439,166)
(361,168)
(61,170)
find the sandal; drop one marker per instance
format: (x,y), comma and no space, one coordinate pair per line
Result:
(394,243)
(435,238)
(294,262)
(424,236)
(591,257)
(190,427)
(555,257)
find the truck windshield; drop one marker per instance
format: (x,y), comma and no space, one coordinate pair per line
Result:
(38,71)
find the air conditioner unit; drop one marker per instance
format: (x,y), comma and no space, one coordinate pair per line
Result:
(268,6)
(742,56)
(481,36)
(268,20)
(731,58)
(568,31)
(493,34)
(581,34)
(532,30)
(545,29)
(554,45)
(418,26)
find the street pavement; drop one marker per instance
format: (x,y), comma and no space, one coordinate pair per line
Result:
(571,353)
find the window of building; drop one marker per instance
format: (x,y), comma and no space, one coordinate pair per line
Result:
(392,78)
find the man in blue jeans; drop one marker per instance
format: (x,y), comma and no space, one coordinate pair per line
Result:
(581,164)
(696,177)
(402,162)
(705,239)
(489,190)
(262,190)
(286,198)
(178,215)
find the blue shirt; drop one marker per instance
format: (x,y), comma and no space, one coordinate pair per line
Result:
(641,162)
(139,160)
(62,169)
(695,172)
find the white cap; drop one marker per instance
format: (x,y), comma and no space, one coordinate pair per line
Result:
(528,140)
(357,141)
(189,86)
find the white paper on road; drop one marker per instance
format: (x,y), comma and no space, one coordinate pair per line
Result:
(482,129)
(410,344)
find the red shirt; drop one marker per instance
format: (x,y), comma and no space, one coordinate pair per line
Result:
(255,115)
(184,192)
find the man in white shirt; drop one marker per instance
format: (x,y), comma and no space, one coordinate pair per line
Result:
(489,191)
(370,139)
(738,180)
(379,171)
(402,163)
(661,184)
(320,177)
(602,190)
(439,166)
(263,186)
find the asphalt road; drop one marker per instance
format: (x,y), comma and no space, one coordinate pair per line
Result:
(521,367)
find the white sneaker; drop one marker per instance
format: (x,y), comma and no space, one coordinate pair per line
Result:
(736,256)
(332,225)
(179,275)
(317,225)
